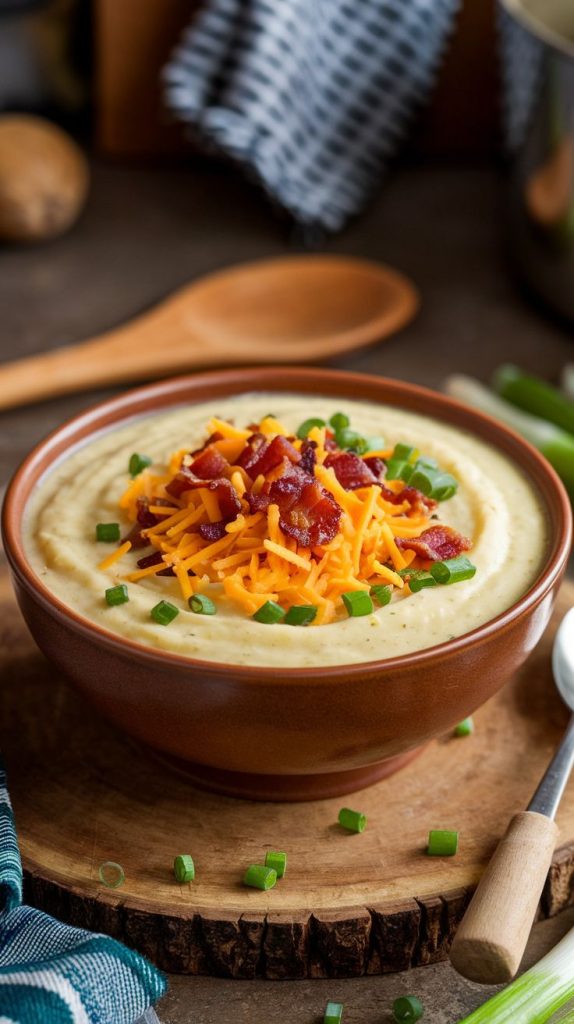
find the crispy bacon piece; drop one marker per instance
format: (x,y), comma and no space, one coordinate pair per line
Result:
(308,457)
(307,511)
(350,470)
(436,544)
(227,498)
(268,455)
(144,520)
(209,464)
(419,503)
(155,559)
(212,531)
(249,455)
(377,466)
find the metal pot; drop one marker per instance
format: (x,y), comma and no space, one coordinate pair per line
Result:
(537,52)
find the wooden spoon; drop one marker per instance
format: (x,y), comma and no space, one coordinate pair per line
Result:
(290,310)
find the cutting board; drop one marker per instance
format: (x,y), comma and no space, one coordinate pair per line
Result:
(349,904)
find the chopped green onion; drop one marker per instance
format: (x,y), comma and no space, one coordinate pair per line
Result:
(464,728)
(117,595)
(556,444)
(421,582)
(107,532)
(339,421)
(260,877)
(405,452)
(269,612)
(407,1008)
(308,425)
(426,462)
(454,570)
(375,444)
(433,483)
(184,868)
(202,605)
(164,612)
(347,438)
(442,843)
(399,469)
(358,602)
(535,396)
(381,594)
(301,614)
(111,875)
(333,1013)
(277,860)
(354,821)
(138,462)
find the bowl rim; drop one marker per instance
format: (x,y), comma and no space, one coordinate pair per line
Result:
(135,403)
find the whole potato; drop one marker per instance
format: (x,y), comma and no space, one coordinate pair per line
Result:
(43,179)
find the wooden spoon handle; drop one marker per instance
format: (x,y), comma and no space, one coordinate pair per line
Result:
(491,938)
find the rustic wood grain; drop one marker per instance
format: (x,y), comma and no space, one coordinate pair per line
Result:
(349,905)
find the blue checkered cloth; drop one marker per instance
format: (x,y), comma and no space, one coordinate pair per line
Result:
(311,96)
(53,974)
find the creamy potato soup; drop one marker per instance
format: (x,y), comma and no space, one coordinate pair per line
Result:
(495,507)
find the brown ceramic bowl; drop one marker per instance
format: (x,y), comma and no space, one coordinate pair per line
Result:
(285,734)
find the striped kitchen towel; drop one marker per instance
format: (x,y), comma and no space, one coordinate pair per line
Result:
(51,973)
(310,96)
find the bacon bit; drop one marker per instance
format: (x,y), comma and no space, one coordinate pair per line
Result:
(155,559)
(351,471)
(308,457)
(227,498)
(437,543)
(144,520)
(377,466)
(209,464)
(269,455)
(419,503)
(212,531)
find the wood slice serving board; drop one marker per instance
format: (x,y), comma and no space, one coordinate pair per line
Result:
(349,904)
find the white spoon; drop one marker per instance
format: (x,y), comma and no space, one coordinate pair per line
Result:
(491,938)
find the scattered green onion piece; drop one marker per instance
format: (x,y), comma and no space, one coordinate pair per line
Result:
(333,1013)
(202,605)
(107,532)
(454,570)
(399,469)
(301,614)
(407,1008)
(269,612)
(260,877)
(381,594)
(376,444)
(339,421)
(164,612)
(111,875)
(347,438)
(421,582)
(354,821)
(433,483)
(138,462)
(117,595)
(426,462)
(445,486)
(405,452)
(184,868)
(277,860)
(358,602)
(464,728)
(442,843)
(308,425)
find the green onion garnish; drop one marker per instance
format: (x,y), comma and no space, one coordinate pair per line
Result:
(111,875)
(381,594)
(407,1008)
(426,462)
(354,821)
(184,868)
(308,425)
(464,728)
(269,612)
(432,482)
(138,462)
(117,595)
(277,860)
(358,602)
(260,877)
(405,453)
(107,532)
(375,444)
(301,614)
(421,582)
(399,469)
(442,843)
(202,605)
(339,421)
(333,1013)
(347,438)
(454,570)
(164,612)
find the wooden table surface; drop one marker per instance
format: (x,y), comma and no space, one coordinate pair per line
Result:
(148,230)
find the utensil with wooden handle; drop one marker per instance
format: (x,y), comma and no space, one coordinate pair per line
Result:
(492,936)
(293,309)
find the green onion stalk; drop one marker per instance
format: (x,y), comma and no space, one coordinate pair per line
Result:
(567,380)
(553,441)
(537,995)
(534,395)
